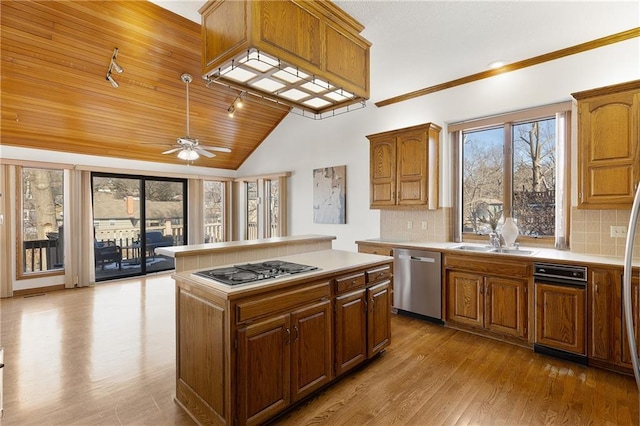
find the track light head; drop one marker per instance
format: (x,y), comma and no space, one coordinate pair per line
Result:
(116,67)
(112,81)
(231,110)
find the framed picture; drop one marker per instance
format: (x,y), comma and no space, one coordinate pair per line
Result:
(329,195)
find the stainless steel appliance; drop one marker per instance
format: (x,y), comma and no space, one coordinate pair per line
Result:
(559,275)
(417,283)
(251,272)
(626,288)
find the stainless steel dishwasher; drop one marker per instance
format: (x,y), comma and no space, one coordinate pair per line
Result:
(417,283)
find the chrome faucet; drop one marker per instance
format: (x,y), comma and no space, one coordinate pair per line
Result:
(496,240)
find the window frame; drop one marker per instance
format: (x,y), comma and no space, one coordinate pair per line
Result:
(507,121)
(21,274)
(225,208)
(264,224)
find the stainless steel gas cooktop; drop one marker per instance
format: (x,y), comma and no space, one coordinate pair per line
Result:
(250,272)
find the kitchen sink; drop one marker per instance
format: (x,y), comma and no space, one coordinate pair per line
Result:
(504,250)
(489,249)
(467,247)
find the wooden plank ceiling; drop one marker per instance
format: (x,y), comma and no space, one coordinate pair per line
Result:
(55,96)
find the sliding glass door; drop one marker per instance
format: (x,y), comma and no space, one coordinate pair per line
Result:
(132,217)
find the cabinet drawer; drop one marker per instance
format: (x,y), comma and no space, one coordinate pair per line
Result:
(375,249)
(350,282)
(260,306)
(502,267)
(378,274)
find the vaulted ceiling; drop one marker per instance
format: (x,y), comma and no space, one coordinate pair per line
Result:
(55,95)
(55,56)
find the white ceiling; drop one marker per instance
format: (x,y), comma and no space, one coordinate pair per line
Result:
(417,44)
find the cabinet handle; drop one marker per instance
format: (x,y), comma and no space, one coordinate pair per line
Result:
(295,334)
(288,337)
(597,290)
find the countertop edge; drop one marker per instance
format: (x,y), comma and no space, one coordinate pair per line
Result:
(539,255)
(196,249)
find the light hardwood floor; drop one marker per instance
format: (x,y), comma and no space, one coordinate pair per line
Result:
(105,356)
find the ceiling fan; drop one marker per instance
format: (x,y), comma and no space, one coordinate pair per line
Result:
(189,148)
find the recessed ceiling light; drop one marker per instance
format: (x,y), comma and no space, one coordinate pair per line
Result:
(496,64)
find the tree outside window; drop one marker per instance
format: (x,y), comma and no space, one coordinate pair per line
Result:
(525,158)
(42,195)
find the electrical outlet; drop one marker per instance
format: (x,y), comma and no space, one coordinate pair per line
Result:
(409,225)
(424,225)
(618,231)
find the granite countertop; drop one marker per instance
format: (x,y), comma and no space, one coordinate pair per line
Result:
(538,255)
(328,261)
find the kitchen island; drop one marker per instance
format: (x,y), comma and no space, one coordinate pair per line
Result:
(245,353)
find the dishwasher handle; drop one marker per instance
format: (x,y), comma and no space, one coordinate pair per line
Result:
(416,258)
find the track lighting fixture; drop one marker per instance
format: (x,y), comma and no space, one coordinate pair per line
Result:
(113,66)
(238,102)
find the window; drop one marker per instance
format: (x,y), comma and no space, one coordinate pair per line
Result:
(214,212)
(273,210)
(264,207)
(41,194)
(513,166)
(253,203)
(134,215)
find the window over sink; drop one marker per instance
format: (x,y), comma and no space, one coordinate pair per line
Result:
(514,165)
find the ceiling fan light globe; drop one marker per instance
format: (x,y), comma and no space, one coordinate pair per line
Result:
(188,155)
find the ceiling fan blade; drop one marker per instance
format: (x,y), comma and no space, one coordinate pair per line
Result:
(215,148)
(199,150)
(172,150)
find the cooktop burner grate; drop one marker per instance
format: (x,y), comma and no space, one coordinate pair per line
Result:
(251,272)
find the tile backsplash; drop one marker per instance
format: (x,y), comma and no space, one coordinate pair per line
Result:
(591,232)
(407,225)
(590,229)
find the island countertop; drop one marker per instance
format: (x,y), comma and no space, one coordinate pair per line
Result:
(329,262)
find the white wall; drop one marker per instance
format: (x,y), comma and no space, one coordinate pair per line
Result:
(299,144)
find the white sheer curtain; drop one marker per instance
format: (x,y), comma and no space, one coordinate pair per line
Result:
(562,140)
(195,194)
(7,235)
(78,225)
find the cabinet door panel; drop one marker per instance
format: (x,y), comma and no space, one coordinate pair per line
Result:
(379,318)
(635,306)
(601,304)
(608,136)
(263,369)
(412,164)
(351,331)
(383,171)
(560,319)
(464,298)
(506,306)
(311,349)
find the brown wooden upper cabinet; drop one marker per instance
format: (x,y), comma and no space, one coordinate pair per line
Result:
(608,139)
(404,167)
(316,37)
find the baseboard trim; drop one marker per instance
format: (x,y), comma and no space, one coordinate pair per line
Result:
(30,291)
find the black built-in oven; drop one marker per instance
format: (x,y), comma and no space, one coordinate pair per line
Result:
(560,325)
